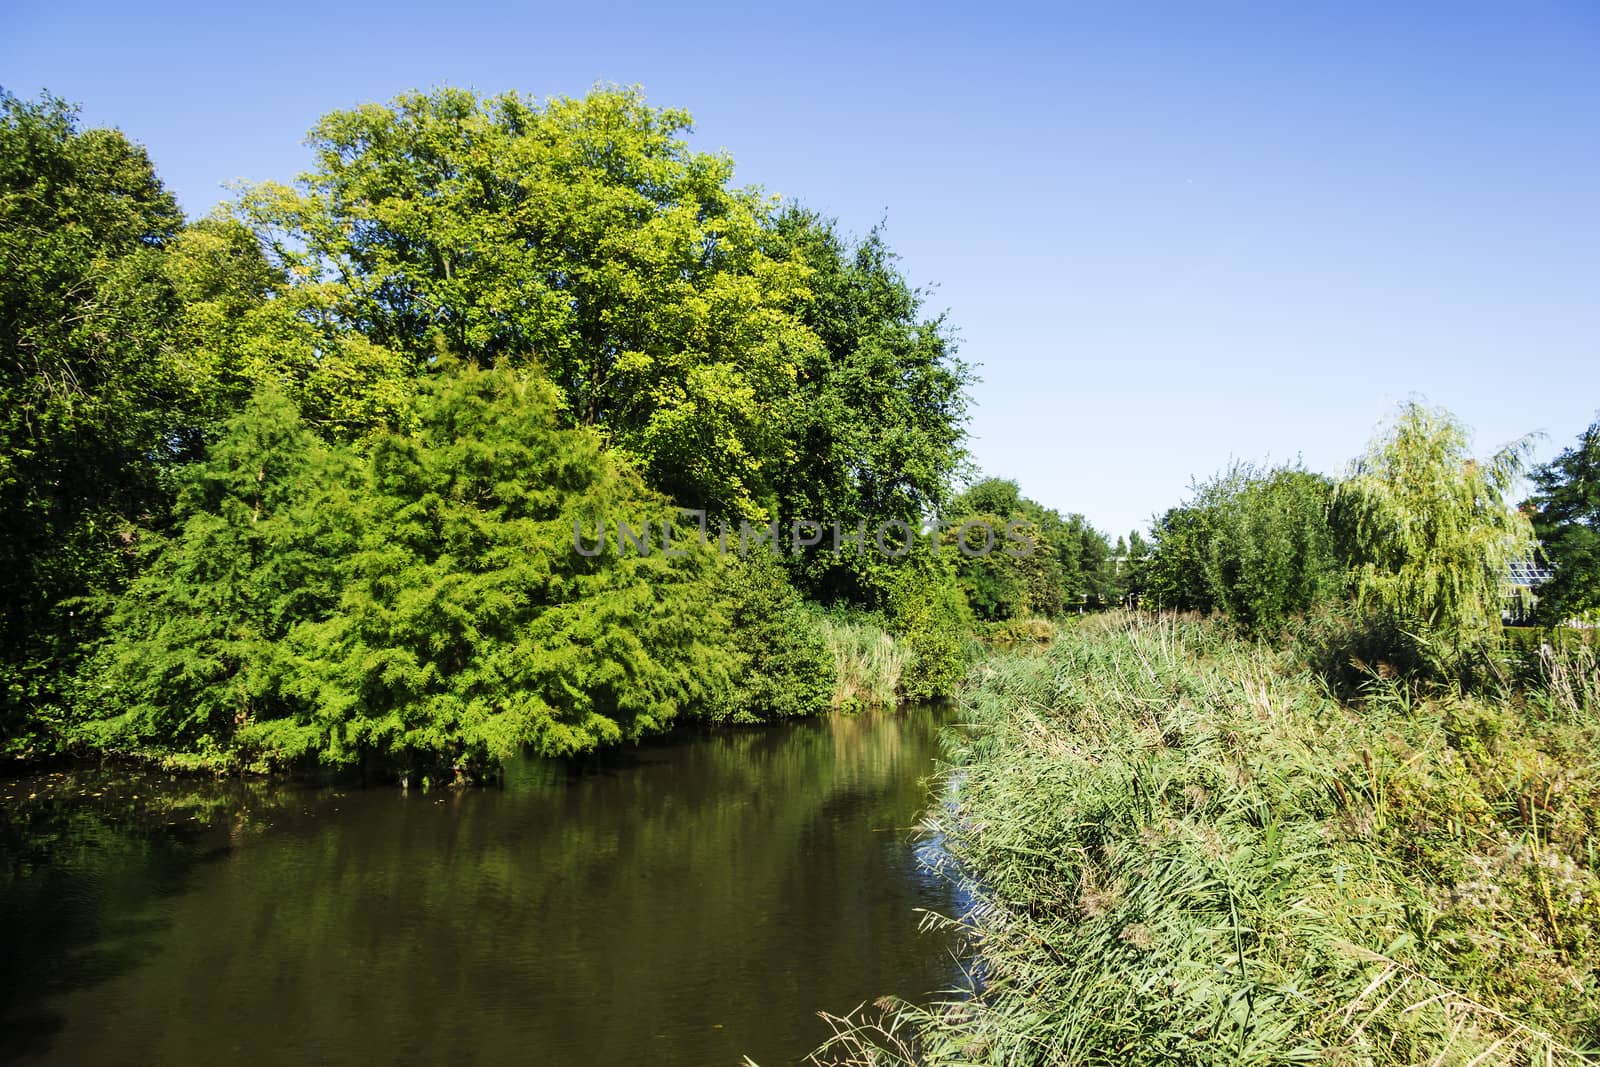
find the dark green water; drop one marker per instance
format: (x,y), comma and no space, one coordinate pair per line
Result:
(688,902)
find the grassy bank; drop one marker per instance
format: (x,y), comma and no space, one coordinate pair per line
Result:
(1182,850)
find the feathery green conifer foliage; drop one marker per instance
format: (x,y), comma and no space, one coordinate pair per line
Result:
(433,609)
(201,657)
(470,624)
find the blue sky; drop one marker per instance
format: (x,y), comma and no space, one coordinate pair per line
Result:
(1169,234)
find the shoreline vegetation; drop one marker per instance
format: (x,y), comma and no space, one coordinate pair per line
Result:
(1181,847)
(294,487)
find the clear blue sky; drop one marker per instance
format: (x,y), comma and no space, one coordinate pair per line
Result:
(1170,235)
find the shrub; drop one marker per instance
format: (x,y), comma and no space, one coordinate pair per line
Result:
(784,666)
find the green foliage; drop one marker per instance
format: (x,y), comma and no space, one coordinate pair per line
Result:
(996,583)
(1432,533)
(929,615)
(337,542)
(461,624)
(131,340)
(877,432)
(785,666)
(241,325)
(583,234)
(1040,562)
(87,419)
(1566,519)
(200,651)
(1179,849)
(1033,631)
(471,626)
(1255,544)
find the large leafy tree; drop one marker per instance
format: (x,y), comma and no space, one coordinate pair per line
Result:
(581,236)
(1566,519)
(88,408)
(878,429)
(746,359)
(1176,574)
(240,324)
(1432,532)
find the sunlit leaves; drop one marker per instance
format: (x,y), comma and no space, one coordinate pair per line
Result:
(1566,518)
(1433,531)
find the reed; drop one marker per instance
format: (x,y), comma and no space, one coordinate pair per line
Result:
(1182,849)
(869,663)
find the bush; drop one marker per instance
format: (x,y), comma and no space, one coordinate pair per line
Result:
(784,666)
(429,607)
(1255,544)
(930,616)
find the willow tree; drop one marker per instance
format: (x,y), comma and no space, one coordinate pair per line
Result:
(1432,532)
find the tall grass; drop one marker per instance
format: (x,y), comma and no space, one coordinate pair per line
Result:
(1183,850)
(869,663)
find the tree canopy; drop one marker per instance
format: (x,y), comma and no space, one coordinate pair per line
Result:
(1432,532)
(299,477)
(1254,543)
(744,358)
(1566,519)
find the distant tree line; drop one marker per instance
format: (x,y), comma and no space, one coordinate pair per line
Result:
(1416,541)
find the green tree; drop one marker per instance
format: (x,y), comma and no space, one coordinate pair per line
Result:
(878,431)
(1255,544)
(433,608)
(583,235)
(1432,533)
(1177,573)
(240,324)
(89,419)
(783,666)
(1566,519)
(199,659)
(471,628)
(928,612)
(744,358)
(1009,560)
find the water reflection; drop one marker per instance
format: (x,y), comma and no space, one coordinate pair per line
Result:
(683,902)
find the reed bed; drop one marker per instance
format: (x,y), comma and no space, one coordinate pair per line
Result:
(868,661)
(1182,849)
